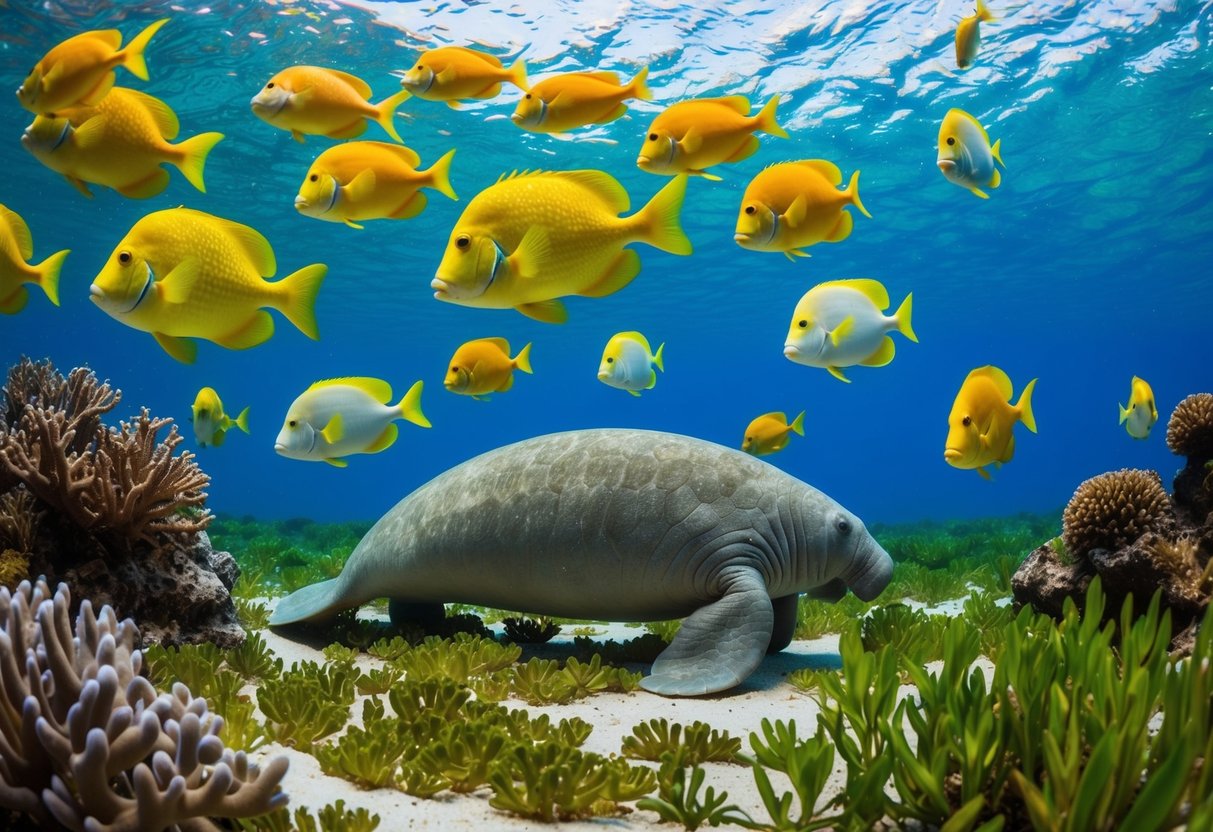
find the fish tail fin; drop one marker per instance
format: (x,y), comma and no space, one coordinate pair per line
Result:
(996,152)
(1124,414)
(639,86)
(903,318)
(658,221)
(193,157)
(797,425)
(516,75)
(132,55)
(983,12)
(1024,406)
(659,358)
(297,298)
(853,193)
(48,274)
(242,420)
(410,406)
(385,113)
(440,175)
(766,119)
(523,360)
(316,602)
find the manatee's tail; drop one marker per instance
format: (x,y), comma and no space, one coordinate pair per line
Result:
(317,602)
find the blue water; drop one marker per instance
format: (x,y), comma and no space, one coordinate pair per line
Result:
(1090,264)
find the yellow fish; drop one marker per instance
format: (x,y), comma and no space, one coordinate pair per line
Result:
(323,102)
(979,426)
(211,424)
(968,35)
(537,236)
(966,156)
(182,274)
(16,248)
(790,206)
(342,416)
(120,143)
(628,362)
(1140,414)
(565,102)
(692,135)
(451,73)
(80,70)
(770,432)
(370,181)
(484,366)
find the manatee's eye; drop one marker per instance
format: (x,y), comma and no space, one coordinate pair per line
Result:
(314,178)
(966,421)
(124,257)
(292,423)
(610,360)
(463,241)
(802,324)
(270,85)
(951,140)
(750,209)
(843,525)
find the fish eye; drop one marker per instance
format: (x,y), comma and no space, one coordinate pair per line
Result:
(966,421)
(124,257)
(529,96)
(314,178)
(843,525)
(454,369)
(463,241)
(292,423)
(951,140)
(749,439)
(750,209)
(610,360)
(421,66)
(270,85)
(652,137)
(803,324)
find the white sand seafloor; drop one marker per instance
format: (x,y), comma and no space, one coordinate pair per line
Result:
(766,694)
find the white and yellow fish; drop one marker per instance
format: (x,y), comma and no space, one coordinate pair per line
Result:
(966,156)
(628,362)
(1140,414)
(211,423)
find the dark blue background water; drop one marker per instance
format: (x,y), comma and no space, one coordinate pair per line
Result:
(1090,264)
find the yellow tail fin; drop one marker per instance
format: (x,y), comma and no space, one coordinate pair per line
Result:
(132,55)
(766,119)
(440,175)
(193,157)
(242,420)
(996,152)
(386,113)
(48,274)
(410,406)
(853,192)
(903,318)
(659,358)
(1025,407)
(797,425)
(639,86)
(983,12)
(1124,414)
(523,360)
(297,298)
(657,222)
(517,75)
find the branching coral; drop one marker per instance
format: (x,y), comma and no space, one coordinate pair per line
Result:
(1115,509)
(1190,428)
(86,742)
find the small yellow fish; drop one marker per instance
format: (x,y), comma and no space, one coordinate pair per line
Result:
(452,73)
(841,323)
(693,135)
(80,70)
(537,236)
(182,274)
(628,362)
(16,248)
(120,143)
(1140,414)
(342,416)
(790,206)
(324,102)
(370,181)
(770,432)
(565,102)
(979,426)
(211,424)
(966,156)
(968,35)
(484,366)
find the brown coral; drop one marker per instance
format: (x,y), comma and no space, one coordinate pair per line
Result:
(1190,429)
(1115,509)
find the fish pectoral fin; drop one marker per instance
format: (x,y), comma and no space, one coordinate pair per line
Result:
(384,440)
(843,329)
(793,253)
(711,177)
(719,644)
(454,105)
(996,179)
(796,212)
(349,222)
(90,133)
(336,462)
(334,430)
(548,311)
(837,373)
(690,142)
(532,250)
(481,398)
(79,184)
(620,273)
(985,475)
(447,75)
(99,92)
(883,355)
(978,192)
(147,187)
(257,330)
(177,285)
(182,349)
(635,393)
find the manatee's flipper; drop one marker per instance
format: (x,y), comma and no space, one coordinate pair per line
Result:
(720,644)
(785,621)
(427,614)
(312,603)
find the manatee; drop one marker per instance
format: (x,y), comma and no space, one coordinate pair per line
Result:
(621,525)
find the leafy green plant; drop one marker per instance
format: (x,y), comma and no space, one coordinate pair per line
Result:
(913,635)
(415,780)
(679,800)
(253,659)
(465,754)
(643,648)
(808,765)
(458,659)
(306,704)
(808,679)
(541,682)
(665,630)
(698,742)
(549,782)
(253,615)
(332,818)
(588,678)
(377,680)
(442,699)
(389,649)
(194,665)
(528,630)
(815,619)
(337,653)
(368,757)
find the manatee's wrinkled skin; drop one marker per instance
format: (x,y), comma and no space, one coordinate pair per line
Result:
(622,525)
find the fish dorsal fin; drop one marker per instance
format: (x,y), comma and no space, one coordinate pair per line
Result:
(161,113)
(20,231)
(603,184)
(871,289)
(406,154)
(777,415)
(483,56)
(110,37)
(378,389)
(360,86)
(735,102)
(1000,379)
(827,169)
(602,75)
(252,243)
(633,335)
(500,343)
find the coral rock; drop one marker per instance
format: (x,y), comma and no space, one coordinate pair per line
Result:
(1115,509)
(1190,429)
(1044,581)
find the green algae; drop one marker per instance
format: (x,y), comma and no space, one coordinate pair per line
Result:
(331,818)
(693,744)
(529,630)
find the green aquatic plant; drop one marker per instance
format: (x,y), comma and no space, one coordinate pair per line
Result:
(665,630)
(377,680)
(331,818)
(911,633)
(542,682)
(549,782)
(418,782)
(815,619)
(253,659)
(389,649)
(492,687)
(193,665)
(929,586)
(370,756)
(587,678)
(253,615)
(808,679)
(464,755)
(643,648)
(772,747)
(306,703)
(528,630)
(434,697)
(459,659)
(679,801)
(698,742)
(337,653)
(808,765)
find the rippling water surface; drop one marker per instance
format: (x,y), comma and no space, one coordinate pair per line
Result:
(1091,263)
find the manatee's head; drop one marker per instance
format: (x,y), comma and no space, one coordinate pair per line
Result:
(852,554)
